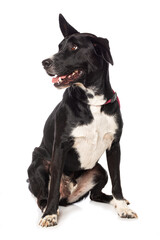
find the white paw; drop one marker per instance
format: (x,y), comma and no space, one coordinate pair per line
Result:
(126,213)
(48,221)
(122,209)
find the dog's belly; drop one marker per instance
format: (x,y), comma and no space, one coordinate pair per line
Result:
(91,140)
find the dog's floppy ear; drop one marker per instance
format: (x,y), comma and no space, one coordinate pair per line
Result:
(65,27)
(102,48)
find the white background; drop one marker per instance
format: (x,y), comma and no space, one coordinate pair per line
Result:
(29,33)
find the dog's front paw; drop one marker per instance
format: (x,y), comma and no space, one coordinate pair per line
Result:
(48,221)
(126,213)
(122,209)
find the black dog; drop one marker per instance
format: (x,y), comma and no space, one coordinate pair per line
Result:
(84,124)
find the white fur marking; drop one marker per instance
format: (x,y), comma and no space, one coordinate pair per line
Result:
(93,139)
(97,100)
(48,221)
(122,209)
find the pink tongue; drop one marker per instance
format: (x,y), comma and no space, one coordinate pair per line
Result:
(55,80)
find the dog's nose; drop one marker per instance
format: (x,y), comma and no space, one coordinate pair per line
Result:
(47,63)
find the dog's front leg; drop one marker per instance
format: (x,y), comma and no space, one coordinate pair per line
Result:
(49,217)
(113,159)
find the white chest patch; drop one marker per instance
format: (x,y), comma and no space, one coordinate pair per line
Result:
(93,139)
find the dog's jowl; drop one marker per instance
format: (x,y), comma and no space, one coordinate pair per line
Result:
(84,125)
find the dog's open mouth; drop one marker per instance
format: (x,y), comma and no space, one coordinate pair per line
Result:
(66,79)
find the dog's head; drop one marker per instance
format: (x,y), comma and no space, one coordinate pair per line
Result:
(79,56)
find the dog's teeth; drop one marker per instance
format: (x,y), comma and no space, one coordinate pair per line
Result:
(76,71)
(73,73)
(69,76)
(54,76)
(59,80)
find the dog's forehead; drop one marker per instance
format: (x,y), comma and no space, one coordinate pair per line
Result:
(80,37)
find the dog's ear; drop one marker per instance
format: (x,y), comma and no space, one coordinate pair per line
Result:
(102,48)
(65,27)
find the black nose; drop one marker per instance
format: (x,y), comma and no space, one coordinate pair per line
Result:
(47,63)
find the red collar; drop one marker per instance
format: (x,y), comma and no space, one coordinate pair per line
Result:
(113,99)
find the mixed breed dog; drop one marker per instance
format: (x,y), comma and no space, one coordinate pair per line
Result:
(84,125)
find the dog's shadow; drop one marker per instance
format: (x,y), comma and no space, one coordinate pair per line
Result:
(70,210)
(65,212)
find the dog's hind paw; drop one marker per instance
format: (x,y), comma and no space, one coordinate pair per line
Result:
(48,221)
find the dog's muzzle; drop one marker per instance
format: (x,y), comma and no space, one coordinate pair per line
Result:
(47,63)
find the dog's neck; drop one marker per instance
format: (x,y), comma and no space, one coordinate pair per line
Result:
(89,95)
(96,92)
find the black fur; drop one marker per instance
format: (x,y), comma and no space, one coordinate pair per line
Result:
(55,155)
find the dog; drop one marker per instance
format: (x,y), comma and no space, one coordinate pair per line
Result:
(84,125)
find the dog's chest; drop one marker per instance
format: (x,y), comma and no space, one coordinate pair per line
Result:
(91,140)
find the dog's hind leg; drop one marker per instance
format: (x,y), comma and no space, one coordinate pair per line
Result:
(101,180)
(38,173)
(92,181)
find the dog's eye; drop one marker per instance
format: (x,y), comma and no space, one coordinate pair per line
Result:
(74,47)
